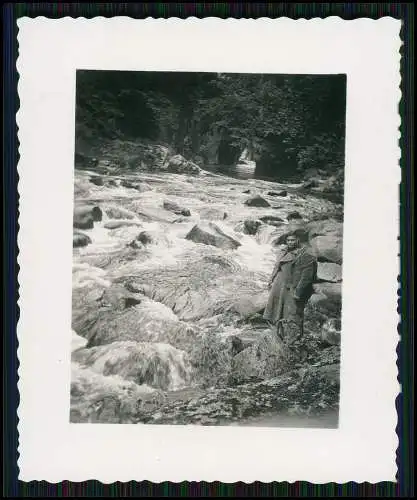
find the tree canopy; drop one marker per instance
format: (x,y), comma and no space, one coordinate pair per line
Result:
(288,123)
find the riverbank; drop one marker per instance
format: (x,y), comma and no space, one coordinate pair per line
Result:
(167,318)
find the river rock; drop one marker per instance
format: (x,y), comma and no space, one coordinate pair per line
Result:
(201,288)
(327,227)
(328,305)
(251,226)
(298,393)
(145,237)
(85,216)
(108,399)
(158,365)
(83,221)
(294,216)
(115,212)
(97,180)
(279,193)
(152,237)
(332,290)
(207,213)
(257,201)
(327,271)
(312,183)
(262,360)
(330,331)
(251,304)
(116,224)
(328,248)
(322,306)
(80,239)
(148,321)
(273,220)
(174,207)
(156,214)
(118,298)
(95,300)
(178,164)
(211,234)
(139,186)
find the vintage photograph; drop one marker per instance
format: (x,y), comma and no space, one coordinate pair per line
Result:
(207,248)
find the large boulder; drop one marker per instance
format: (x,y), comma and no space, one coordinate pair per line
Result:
(211,234)
(249,305)
(207,213)
(200,287)
(85,216)
(152,238)
(251,226)
(146,322)
(328,248)
(328,271)
(294,215)
(174,207)
(328,303)
(158,365)
(106,314)
(325,303)
(332,290)
(97,180)
(179,165)
(327,227)
(96,299)
(211,359)
(115,212)
(257,201)
(264,359)
(154,214)
(80,239)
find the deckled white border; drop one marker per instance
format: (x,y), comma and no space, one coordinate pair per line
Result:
(363,448)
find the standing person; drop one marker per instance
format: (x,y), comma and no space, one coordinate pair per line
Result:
(291,286)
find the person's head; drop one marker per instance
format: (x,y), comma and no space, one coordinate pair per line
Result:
(292,242)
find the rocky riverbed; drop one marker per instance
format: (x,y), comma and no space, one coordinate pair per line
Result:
(170,274)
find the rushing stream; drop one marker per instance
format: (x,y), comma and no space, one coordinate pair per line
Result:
(162,323)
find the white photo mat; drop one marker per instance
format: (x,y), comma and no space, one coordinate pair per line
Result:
(364,446)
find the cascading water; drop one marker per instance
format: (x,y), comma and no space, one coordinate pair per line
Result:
(146,298)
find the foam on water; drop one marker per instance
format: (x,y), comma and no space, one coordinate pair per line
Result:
(84,274)
(208,197)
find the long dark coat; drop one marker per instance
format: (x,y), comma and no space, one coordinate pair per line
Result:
(294,274)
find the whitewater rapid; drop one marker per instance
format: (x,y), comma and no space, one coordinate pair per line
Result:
(168,259)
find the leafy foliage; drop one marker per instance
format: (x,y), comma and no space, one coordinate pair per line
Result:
(288,123)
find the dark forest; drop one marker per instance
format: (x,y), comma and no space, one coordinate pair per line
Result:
(288,124)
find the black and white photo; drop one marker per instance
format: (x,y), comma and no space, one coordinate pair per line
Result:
(208,249)
(208,245)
